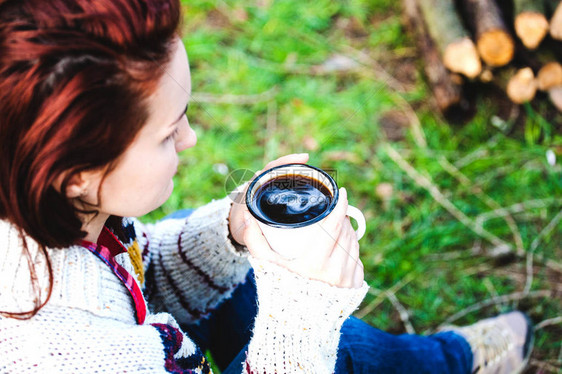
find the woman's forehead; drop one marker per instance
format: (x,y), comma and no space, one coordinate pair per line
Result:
(174,89)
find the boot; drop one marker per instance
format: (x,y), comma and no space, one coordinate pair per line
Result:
(500,345)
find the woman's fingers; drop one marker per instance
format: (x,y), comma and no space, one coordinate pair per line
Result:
(295,158)
(354,264)
(333,224)
(257,244)
(328,257)
(359,275)
(343,259)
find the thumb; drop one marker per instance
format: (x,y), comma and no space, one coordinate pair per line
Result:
(255,241)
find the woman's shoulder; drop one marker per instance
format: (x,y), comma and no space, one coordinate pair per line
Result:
(79,279)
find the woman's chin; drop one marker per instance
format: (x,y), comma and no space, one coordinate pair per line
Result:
(163,197)
(169,189)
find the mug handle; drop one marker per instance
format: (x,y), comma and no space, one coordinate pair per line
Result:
(358,216)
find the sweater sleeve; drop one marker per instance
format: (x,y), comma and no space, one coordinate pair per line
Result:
(190,263)
(70,340)
(297,328)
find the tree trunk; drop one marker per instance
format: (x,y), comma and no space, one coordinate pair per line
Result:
(556,22)
(531,24)
(549,76)
(522,86)
(447,93)
(493,41)
(451,38)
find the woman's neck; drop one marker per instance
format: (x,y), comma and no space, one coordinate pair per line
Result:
(93,226)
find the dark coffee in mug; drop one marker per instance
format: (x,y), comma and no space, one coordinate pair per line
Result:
(292,199)
(291,203)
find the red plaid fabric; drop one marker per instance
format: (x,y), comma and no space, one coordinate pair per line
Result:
(106,249)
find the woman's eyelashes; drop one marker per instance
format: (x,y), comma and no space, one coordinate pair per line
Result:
(173,135)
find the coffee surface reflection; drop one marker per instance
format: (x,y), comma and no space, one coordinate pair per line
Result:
(292,199)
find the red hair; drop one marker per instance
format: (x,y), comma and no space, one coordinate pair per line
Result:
(74,79)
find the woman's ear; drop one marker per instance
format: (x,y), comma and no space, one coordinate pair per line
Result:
(77,186)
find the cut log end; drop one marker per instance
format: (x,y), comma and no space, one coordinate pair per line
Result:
(486,76)
(462,57)
(522,87)
(549,76)
(555,95)
(556,23)
(496,47)
(531,28)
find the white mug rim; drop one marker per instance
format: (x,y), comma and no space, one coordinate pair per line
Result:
(333,203)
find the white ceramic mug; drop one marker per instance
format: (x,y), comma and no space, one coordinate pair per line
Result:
(291,239)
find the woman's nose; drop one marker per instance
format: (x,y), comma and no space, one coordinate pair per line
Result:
(186,137)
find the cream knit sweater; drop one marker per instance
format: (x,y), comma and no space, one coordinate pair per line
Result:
(89,325)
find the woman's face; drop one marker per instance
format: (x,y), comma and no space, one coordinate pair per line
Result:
(142,178)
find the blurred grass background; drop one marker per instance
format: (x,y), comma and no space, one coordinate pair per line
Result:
(443,201)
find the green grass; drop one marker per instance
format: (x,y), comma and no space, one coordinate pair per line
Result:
(434,264)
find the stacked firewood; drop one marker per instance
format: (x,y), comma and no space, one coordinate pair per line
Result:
(511,43)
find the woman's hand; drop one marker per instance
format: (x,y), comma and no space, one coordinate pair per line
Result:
(237,224)
(334,259)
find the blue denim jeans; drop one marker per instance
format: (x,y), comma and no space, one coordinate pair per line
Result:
(362,348)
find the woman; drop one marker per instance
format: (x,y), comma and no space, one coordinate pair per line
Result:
(92,108)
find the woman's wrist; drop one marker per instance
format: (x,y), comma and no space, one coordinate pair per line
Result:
(291,295)
(299,320)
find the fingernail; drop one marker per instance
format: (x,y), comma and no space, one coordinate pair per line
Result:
(343,191)
(246,216)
